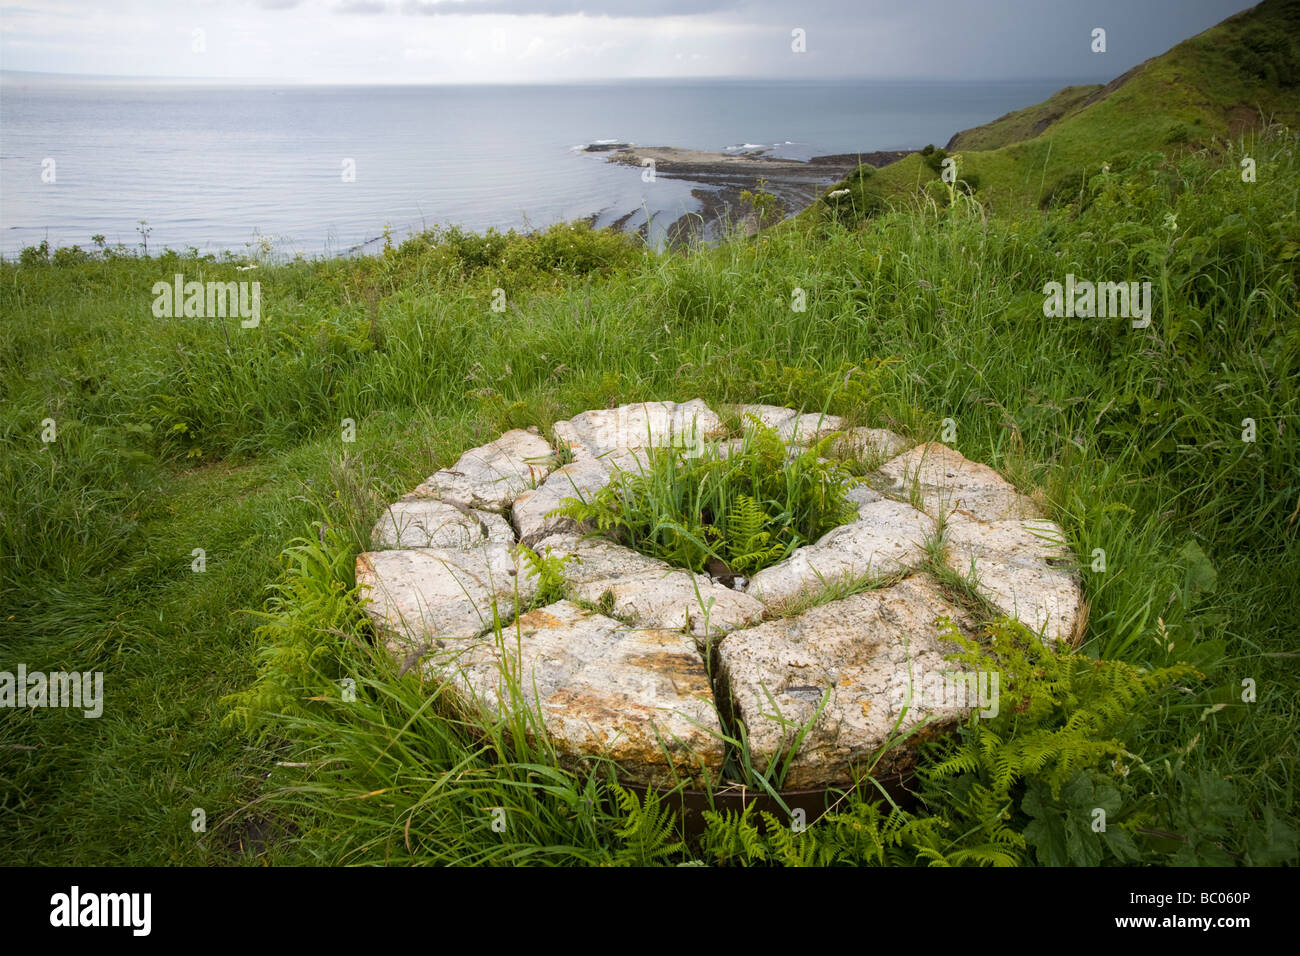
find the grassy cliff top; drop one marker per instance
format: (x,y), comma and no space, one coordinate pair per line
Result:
(1235,77)
(1025,123)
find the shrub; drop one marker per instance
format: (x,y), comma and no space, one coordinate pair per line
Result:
(765,206)
(35,255)
(934,158)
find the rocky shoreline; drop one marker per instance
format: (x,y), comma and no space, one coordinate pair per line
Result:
(722,177)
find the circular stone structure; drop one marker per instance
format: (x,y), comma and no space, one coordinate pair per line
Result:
(650,682)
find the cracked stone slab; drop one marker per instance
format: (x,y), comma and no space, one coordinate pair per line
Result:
(886,538)
(1024,568)
(650,592)
(950,483)
(601,431)
(581,479)
(639,696)
(793,427)
(870,653)
(429,523)
(418,596)
(870,444)
(490,476)
(860,494)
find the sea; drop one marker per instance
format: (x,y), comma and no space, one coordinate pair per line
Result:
(326,170)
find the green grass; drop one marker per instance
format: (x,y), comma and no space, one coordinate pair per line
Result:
(728,510)
(1025,123)
(223,687)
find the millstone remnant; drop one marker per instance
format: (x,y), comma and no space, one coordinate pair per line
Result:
(821,657)
(860,653)
(640,696)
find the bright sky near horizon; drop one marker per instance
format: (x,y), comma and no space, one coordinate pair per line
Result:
(530,41)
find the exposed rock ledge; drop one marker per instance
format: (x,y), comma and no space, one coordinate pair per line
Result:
(723,176)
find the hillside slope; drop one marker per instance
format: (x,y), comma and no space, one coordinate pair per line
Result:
(1025,123)
(1203,93)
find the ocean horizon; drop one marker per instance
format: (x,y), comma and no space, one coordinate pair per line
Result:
(324,170)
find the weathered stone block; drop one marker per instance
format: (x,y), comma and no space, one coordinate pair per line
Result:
(887,537)
(649,592)
(580,479)
(489,477)
(641,697)
(867,654)
(429,523)
(644,425)
(417,596)
(950,483)
(794,427)
(1024,568)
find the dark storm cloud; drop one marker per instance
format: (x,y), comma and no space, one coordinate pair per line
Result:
(999,39)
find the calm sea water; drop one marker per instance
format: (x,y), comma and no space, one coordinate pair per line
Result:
(218,167)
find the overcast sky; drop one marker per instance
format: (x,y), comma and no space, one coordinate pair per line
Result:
(476,41)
